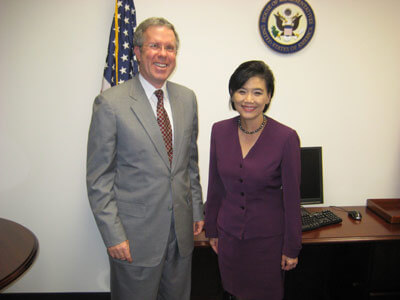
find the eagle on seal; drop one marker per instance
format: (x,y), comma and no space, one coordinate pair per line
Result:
(287,25)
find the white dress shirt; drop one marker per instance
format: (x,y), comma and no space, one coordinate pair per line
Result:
(149,90)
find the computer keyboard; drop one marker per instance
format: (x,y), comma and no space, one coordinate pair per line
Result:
(311,221)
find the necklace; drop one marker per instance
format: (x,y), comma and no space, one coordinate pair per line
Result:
(254,131)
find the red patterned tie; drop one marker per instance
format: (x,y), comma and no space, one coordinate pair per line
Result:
(163,122)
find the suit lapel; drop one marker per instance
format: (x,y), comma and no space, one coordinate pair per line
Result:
(142,109)
(177,116)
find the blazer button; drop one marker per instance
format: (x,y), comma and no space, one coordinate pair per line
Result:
(242,207)
(242,194)
(241,180)
(169,207)
(241,166)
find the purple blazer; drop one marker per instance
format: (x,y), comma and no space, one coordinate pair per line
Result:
(257,196)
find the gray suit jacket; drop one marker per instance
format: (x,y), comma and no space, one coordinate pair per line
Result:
(132,189)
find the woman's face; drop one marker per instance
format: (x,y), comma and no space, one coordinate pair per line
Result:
(251,98)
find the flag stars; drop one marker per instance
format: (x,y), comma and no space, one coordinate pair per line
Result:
(122,31)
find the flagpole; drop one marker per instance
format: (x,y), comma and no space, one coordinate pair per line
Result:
(116,41)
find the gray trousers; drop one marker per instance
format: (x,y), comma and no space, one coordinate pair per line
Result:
(170,280)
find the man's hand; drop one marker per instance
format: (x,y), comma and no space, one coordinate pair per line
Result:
(198,227)
(120,251)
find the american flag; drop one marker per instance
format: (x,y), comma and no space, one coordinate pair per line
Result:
(121,64)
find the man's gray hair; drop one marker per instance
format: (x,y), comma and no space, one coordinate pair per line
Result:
(138,38)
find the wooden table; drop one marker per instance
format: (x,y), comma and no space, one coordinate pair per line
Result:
(371,228)
(18,250)
(350,260)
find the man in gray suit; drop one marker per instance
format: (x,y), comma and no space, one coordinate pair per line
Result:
(142,173)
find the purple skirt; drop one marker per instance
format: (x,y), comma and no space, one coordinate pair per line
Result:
(251,269)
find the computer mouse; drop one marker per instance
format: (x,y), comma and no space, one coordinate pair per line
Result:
(355,214)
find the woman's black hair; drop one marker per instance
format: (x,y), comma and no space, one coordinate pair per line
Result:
(248,70)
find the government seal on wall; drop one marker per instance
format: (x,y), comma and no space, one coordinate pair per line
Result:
(287,26)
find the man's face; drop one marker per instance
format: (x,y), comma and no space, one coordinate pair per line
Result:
(157,57)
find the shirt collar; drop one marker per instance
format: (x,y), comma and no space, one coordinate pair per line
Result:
(149,88)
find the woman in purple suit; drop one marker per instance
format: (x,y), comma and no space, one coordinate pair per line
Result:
(253,201)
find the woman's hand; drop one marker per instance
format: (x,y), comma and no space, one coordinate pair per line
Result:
(214,244)
(288,263)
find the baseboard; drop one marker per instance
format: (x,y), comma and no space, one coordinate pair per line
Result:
(76,296)
(55,296)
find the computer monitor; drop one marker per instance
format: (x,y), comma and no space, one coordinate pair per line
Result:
(311,187)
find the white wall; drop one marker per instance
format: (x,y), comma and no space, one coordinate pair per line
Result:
(341,92)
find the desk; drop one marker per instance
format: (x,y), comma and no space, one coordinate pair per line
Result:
(18,249)
(350,260)
(371,228)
